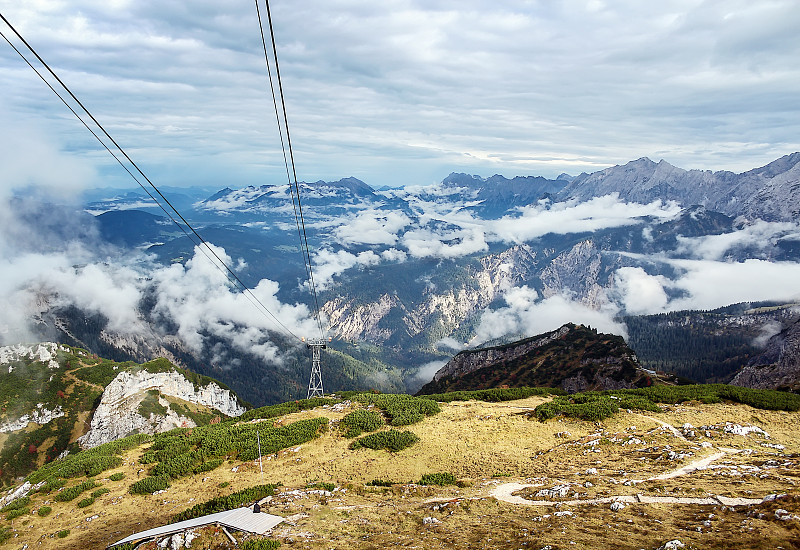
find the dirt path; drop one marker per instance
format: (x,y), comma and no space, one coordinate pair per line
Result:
(505,492)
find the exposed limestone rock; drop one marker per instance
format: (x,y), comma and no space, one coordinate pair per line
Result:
(44,353)
(118,414)
(40,415)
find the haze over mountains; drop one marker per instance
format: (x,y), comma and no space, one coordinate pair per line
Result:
(405,276)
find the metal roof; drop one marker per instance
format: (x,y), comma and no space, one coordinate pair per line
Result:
(240,519)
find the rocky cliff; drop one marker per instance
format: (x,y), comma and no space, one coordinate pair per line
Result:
(778,366)
(120,412)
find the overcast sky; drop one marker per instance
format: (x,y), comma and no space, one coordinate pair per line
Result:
(400,91)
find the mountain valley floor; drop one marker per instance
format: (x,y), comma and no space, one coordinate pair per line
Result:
(632,481)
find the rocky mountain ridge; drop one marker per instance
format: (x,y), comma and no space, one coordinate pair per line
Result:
(573,358)
(119,412)
(769,192)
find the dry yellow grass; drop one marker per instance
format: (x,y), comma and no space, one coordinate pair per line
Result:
(484,444)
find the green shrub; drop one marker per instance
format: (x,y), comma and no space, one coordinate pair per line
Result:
(224,484)
(5,534)
(281,409)
(100,492)
(220,504)
(381,483)
(443,478)
(44,511)
(360,421)
(91,462)
(260,544)
(21,502)
(51,485)
(392,440)
(64,533)
(119,476)
(493,395)
(71,493)
(149,485)
(13,514)
(88,501)
(402,409)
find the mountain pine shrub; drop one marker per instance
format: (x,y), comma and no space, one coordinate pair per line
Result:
(361,421)
(443,478)
(392,440)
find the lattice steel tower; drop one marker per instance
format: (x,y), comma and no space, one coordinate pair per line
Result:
(315,383)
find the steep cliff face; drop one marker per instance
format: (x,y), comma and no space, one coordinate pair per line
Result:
(573,358)
(778,367)
(434,311)
(121,412)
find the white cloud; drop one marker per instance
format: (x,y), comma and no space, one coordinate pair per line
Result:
(426,371)
(709,284)
(328,264)
(525,315)
(572,217)
(394,255)
(424,243)
(639,292)
(760,234)
(371,227)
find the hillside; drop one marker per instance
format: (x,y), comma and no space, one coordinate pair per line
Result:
(56,399)
(573,358)
(707,346)
(778,366)
(670,463)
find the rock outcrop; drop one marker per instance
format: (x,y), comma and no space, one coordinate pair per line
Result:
(574,358)
(119,415)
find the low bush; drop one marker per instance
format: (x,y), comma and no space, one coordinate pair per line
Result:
(119,476)
(260,544)
(402,409)
(64,533)
(44,511)
(493,395)
(100,492)
(21,502)
(443,478)
(88,501)
(149,485)
(91,462)
(381,483)
(71,493)
(392,440)
(361,421)
(51,485)
(13,514)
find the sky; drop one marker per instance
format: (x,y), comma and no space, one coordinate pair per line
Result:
(400,92)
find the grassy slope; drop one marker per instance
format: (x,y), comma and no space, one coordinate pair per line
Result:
(483,444)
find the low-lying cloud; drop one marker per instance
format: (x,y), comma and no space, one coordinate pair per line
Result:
(526,314)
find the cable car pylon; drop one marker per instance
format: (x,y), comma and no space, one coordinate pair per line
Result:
(315,382)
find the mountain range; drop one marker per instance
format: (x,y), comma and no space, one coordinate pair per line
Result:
(407,277)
